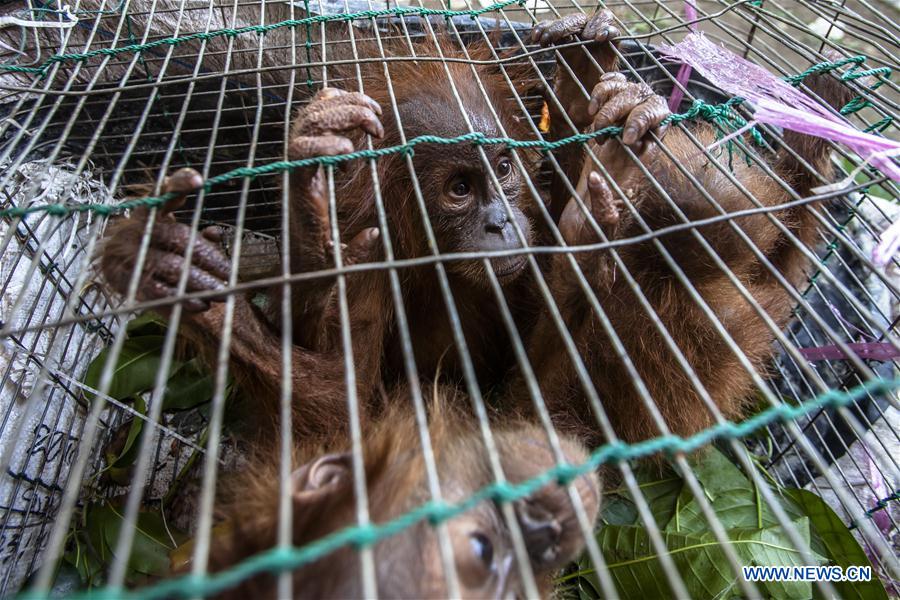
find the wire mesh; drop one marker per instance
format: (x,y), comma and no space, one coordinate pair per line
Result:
(100,106)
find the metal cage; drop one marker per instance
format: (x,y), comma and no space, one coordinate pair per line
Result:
(79,461)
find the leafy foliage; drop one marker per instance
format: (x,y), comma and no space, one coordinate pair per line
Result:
(138,364)
(754,534)
(837,543)
(876,190)
(93,537)
(92,545)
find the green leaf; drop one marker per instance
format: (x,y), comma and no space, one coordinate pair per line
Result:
(120,475)
(733,496)
(839,544)
(136,370)
(637,573)
(126,455)
(660,491)
(181,557)
(757,537)
(662,496)
(618,510)
(862,178)
(138,365)
(152,542)
(717,474)
(586,590)
(635,568)
(576,587)
(189,386)
(86,548)
(779,550)
(84,560)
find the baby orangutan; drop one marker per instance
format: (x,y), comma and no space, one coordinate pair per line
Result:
(470,206)
(408,564)
(640,204)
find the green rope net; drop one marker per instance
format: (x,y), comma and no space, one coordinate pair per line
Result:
(407,148)
(722,115)
(258,29)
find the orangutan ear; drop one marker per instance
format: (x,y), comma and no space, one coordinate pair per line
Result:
(322,476)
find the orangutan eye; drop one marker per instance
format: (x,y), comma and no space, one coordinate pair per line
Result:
(460,188)
(504,168)
(482,548)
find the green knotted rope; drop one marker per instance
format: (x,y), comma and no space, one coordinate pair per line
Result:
(726,118)
(722,114)
(849,75)
(881,75)
(735,121)
(880,505)
(284,559)
(699,110)
(259,29)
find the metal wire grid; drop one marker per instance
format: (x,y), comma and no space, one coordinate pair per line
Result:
(131,118)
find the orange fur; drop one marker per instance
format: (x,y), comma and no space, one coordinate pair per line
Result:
(716,366)
(407,564)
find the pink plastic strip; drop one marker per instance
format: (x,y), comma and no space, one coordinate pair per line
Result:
(684,71)
(778,103)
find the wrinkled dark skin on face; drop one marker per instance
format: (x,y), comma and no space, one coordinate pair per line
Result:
(472,204)
(471,207)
